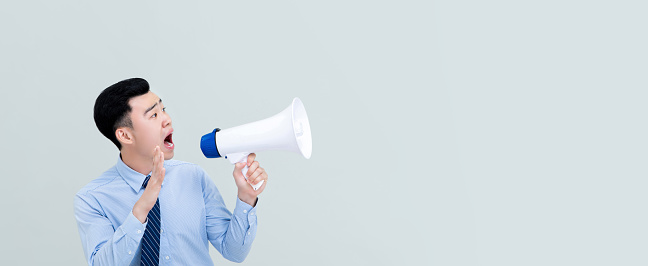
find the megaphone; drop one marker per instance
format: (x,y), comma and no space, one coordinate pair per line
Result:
(288,130)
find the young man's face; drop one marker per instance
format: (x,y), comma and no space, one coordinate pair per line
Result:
(151,126)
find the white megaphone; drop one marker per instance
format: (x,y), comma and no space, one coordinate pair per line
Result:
(288,131)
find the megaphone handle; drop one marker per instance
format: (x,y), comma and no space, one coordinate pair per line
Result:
(242,158)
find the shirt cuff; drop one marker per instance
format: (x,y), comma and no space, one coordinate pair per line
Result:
(246,212)
(133,227)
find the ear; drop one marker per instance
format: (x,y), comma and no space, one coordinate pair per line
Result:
(124,135)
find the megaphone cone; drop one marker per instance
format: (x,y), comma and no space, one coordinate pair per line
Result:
(288,130)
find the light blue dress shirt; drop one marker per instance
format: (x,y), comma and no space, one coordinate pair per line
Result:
(192,212)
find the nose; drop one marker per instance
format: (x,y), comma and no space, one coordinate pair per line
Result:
(167,120)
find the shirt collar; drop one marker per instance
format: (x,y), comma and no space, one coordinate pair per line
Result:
(132,177)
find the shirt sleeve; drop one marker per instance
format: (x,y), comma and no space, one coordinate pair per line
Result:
(231,234)
(102,244)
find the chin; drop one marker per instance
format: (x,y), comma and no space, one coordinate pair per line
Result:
(168,155)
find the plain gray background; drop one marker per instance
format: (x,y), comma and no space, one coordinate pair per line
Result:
(444,132)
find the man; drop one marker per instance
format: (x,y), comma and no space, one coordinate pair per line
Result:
(149,209)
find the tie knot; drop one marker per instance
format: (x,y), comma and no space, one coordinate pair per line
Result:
(146,181)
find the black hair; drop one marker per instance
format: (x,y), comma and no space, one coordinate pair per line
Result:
(111,109)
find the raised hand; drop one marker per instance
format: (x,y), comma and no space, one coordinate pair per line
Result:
(150,195)
(255,174)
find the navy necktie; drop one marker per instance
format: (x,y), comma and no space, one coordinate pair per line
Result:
(151,238)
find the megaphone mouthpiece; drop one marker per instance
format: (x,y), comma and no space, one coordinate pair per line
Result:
(208,144)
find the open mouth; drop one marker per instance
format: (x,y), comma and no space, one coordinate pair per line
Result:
(168,141)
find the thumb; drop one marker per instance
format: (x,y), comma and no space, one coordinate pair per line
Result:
(238,171)
(238,174)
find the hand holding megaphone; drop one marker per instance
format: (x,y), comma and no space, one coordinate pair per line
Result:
(288,130)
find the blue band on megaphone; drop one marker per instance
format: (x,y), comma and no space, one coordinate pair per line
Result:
(208,144)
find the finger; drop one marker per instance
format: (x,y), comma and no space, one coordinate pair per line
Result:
(256,177)
(264,176)
(160,165)
(155,156)
(154,171)
(252,168)
(250,159)
(162,173)
(252,178)
(239,166)
(160,156)
(262,187)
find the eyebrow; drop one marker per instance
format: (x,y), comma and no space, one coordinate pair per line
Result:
(151,108)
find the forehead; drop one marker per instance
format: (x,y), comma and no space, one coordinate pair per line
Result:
(139,104)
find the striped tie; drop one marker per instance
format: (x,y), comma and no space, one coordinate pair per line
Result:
(151,238)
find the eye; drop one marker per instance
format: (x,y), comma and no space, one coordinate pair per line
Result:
(164,109)
(154,115)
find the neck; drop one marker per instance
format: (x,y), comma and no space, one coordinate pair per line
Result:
(136,162)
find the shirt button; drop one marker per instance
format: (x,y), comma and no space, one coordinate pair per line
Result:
(139,231)
(167,257)
(161,230)
(129,252)
(244,211)
(251,213)
(248,233)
